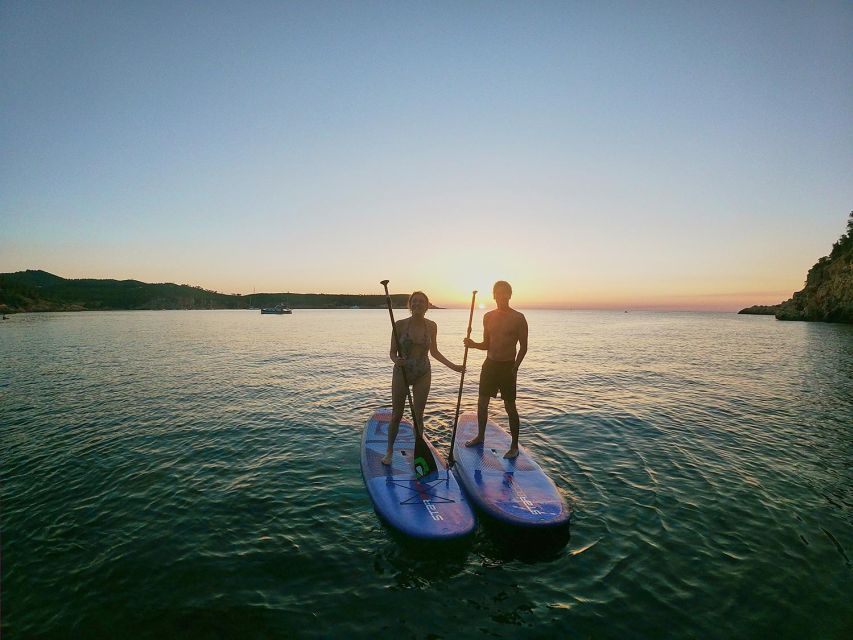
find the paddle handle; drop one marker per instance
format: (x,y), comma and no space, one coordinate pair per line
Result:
(461,381)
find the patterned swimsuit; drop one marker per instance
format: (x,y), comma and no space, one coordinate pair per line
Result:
(415,367)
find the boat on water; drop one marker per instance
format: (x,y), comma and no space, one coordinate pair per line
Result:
(278,309)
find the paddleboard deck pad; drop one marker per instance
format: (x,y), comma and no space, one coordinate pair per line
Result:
(513,491)
(433,507)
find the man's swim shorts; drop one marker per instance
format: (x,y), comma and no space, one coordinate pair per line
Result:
(498,376)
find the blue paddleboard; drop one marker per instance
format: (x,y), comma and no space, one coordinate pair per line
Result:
(433,507)
(515,491)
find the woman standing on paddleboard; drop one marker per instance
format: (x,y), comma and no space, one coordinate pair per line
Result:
(418,341)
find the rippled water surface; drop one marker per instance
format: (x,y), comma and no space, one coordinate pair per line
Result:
(195,474)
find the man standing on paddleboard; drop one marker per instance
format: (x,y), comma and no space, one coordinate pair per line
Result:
(503,329)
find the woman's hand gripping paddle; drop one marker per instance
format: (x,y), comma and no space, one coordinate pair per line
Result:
(424,460)
(461,380)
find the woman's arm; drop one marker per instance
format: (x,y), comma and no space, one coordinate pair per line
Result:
(435,353)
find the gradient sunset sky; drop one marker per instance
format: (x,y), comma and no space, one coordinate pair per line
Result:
(685,155)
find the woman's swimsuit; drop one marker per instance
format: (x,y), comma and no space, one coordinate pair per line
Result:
(415,367)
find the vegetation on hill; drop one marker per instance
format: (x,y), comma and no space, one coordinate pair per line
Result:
(35,290)
(828,292)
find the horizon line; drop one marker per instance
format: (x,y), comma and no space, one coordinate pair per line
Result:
(539,306)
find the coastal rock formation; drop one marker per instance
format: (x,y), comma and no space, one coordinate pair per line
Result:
(828,292)
(761,310)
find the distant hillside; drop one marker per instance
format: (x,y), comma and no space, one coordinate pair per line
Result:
(828,292)
(41,291)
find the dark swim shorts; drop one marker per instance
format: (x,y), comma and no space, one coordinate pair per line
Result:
(498,376)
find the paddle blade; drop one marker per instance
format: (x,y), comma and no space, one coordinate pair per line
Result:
(424,460)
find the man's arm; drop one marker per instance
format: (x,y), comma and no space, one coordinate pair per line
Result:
(522,342)
(484,345)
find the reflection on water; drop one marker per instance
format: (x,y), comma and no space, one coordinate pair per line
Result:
(196,474)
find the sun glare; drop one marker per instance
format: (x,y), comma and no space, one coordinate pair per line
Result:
(454,274)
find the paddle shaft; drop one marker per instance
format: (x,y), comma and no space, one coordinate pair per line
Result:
(461,380)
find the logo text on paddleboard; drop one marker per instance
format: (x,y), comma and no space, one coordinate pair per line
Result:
(527,502)
(432,510)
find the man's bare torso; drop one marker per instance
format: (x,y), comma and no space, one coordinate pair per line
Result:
(505,329)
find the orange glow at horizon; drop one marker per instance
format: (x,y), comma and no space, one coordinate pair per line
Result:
(532,293)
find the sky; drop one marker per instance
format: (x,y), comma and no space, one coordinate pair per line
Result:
(666,155)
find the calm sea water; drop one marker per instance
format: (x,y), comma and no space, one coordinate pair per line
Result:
(195,474)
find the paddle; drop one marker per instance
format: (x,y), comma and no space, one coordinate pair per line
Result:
(424,460)
(461,380)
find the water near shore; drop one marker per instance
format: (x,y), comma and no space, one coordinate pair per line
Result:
(196,475)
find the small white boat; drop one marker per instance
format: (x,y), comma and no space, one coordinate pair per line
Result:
(278,309)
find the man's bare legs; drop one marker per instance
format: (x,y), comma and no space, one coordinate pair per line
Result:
(514,422)
(482,417)
(420,393)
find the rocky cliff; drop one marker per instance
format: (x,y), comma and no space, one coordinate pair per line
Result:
(828,292)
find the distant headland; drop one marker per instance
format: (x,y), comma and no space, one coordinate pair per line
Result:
(36,290)
(828,293)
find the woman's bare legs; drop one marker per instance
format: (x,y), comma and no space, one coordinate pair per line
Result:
(420,393)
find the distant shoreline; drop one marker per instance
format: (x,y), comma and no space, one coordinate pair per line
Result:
(396,307)
(84,310)
(39,291)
